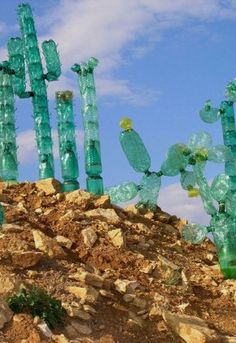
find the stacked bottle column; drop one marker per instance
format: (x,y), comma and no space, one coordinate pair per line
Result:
(229,136)
(26,51)
(92,148)
(67,141)
(8,149)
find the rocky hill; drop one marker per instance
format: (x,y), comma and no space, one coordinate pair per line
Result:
(121,275)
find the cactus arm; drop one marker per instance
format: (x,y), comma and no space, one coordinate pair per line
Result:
(52,60)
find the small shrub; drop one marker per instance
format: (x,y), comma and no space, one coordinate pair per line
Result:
(38,303)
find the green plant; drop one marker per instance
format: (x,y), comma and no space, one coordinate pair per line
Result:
(38,303)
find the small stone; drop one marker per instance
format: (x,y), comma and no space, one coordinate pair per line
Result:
(75,311)
(106,294)
(89,236)
(148,267)
(47,245)
(49,186)
(102,201)
(26,259)
(88,278)
(89,309)
(128,298)
(134,319)
(5,313)
(139,302)
(87,293)
(11,228)
(104,214)
(9,284)
(79,197)
(64,242)
(117,237)
(81,328)
(126,286)
(191,329)
(60,339)
(45,329)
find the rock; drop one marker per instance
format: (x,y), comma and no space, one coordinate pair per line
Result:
(81,328)
(106,214)
(60,339)
(117,237)
(5,199)
(139,302)
(125,286)
(79,197)
(47,245)
(45,329)
(134,319)
(9,284)
(5,313)
(128,298)
(11,228)
(181,223)
(148,266)
(26,259)
(88,278)
(89,309)
(49,186)
(191,329)
(106,294)
(64,242)
(86,294)
(168,264)
(102,201)
(21,208)
(89,236)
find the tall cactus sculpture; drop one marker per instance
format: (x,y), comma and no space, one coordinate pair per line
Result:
(8,149)
(92,149)
(23,51)
(67,143)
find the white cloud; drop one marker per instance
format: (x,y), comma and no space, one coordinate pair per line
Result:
(174,200)
(27,153)
(116,32)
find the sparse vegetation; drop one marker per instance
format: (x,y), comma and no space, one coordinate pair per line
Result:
(38,303)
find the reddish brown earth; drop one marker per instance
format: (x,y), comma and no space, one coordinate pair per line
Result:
(169,275)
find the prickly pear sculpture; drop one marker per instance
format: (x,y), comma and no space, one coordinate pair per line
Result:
(92,149)
(179,157)
(23,51)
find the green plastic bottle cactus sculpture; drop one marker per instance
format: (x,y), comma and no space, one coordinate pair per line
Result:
(8,149)
(67,143)
(193,155)
(92,149)
(23,51)
(139,159)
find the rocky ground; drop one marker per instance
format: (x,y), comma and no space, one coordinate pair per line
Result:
(122,276)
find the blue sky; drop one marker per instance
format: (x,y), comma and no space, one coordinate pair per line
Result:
(159,61)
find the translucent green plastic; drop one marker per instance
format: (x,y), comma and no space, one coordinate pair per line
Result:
(25,51)
(8,149)
(123,192)
(92,149)
(67,143)
(135,150)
